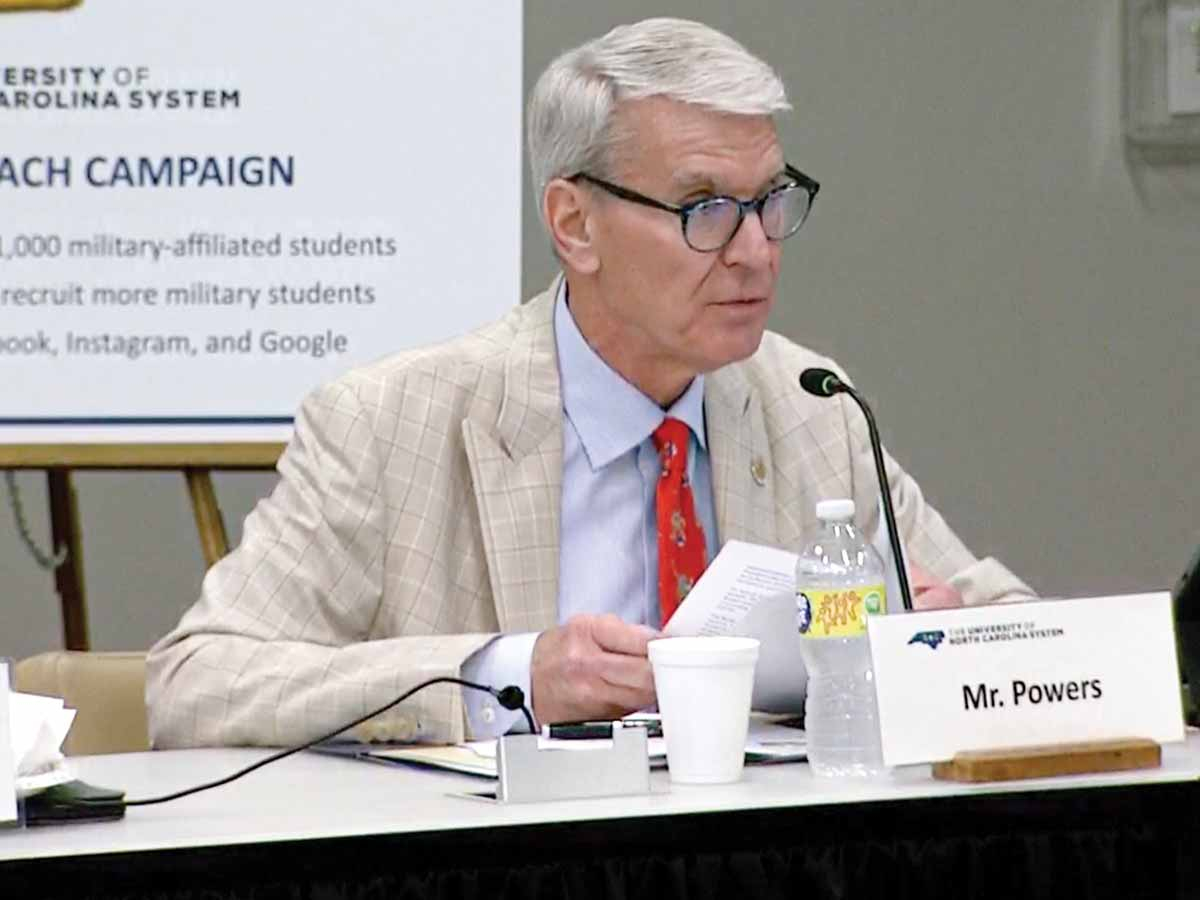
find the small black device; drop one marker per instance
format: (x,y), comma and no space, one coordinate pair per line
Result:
(74,801)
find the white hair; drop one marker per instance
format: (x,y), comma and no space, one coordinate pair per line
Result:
(571,110)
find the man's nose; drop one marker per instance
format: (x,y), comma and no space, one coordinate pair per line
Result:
(749,245)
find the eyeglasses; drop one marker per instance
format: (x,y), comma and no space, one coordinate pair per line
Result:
(709,224)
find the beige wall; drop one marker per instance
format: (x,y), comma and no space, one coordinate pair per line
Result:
(1021,302)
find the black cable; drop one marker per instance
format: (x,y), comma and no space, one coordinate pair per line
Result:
(511,697)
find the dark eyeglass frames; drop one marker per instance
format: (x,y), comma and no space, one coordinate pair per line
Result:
(709,224)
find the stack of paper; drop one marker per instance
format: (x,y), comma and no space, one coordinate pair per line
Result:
(768,741)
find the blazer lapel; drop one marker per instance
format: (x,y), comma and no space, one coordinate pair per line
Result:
(516,470)
(741,460)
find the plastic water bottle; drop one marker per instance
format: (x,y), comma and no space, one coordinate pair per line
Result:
(839,582)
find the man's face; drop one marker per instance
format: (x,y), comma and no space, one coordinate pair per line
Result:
(663,312)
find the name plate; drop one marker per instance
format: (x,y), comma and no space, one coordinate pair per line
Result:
(1023,674)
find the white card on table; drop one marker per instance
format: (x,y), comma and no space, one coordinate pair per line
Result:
(1024,674)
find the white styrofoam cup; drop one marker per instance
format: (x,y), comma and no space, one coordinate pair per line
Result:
(704,686)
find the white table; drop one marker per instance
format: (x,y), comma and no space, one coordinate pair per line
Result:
(387,819)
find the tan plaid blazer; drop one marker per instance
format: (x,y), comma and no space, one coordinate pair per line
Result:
(417,516)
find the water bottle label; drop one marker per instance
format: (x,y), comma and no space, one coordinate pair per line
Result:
(838,613)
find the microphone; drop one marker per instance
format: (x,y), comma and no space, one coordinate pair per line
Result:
(823,383)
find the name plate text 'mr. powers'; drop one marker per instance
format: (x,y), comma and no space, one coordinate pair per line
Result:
(1020,675)
(984,696)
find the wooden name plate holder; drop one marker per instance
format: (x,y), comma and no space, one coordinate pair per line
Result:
(1046,761)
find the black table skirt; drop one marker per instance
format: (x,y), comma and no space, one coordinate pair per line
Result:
(1129,842)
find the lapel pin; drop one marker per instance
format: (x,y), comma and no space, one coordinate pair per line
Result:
(758,471)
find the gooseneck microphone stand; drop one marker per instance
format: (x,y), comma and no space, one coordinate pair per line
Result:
(824,383)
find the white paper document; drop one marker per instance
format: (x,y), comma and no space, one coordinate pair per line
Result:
(749,590)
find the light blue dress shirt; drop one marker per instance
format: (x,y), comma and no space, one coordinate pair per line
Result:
(608,559)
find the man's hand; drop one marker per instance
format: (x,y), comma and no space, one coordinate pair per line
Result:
(929,593)
(592,667)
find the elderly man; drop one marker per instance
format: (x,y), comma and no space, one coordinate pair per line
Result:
(526,504)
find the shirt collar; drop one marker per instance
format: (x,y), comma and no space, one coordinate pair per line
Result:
(610,415)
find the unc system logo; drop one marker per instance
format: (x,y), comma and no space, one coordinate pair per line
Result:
(930,638)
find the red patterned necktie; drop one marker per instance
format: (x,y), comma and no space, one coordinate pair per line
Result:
(681,550)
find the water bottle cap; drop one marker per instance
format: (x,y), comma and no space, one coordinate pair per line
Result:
(835,510)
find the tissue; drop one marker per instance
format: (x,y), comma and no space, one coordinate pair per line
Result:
(38,726)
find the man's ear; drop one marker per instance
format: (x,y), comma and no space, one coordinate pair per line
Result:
(568,209)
